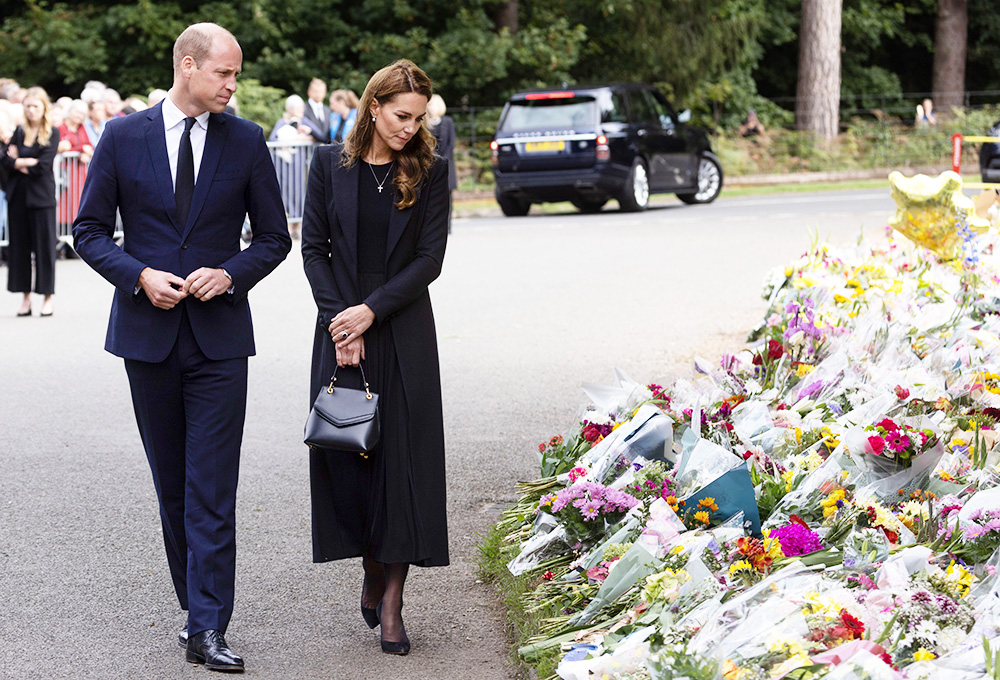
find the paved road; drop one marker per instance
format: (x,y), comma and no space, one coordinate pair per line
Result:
(527,308)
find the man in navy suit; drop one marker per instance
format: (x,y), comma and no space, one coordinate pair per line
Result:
(183,175)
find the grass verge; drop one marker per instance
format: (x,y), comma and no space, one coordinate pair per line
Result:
(520,624)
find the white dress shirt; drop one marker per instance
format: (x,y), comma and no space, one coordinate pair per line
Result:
(173,125)
(317,108)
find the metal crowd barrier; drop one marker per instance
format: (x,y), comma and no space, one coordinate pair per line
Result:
(291,163)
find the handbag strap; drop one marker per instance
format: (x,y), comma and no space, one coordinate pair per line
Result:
(333,379)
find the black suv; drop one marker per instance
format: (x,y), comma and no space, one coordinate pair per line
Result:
(588,144)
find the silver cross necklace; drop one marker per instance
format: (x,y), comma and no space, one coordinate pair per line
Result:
(382,183)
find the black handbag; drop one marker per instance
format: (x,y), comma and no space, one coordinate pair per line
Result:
(344,419)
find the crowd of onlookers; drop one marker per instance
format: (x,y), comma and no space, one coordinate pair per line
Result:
(34,129)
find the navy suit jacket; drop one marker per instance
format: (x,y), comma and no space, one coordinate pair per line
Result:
(130,173)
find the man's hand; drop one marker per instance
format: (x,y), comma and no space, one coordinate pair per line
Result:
(350,324)
(163,289)
(206,283)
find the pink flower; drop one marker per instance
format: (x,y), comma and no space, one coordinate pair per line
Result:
(576,473)
(887,425)
(877,444)
(897,441)
(902,393)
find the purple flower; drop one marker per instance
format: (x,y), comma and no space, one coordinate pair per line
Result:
(811,390)
(797,540)
(590,510)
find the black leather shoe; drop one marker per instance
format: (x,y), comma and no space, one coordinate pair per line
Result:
(182,637)
(209,648)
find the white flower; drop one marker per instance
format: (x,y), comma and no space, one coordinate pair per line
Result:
(753,387)
(597,418)
(927,630)
(949,638)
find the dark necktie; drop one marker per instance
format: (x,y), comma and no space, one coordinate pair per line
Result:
(184,184)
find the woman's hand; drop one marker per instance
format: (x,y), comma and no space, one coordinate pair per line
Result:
(351,323)
(351,353)
(22,164)
(12,152)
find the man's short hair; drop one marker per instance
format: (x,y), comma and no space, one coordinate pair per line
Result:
(196,42)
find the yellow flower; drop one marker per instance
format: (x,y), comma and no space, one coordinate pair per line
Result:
(832,441)
(804,282)
(708,503)
(923,655)
(798,435)
(840,298)
(742,565)
(804,370)
(961,577)
(830,502)
(788,476)
(701,516)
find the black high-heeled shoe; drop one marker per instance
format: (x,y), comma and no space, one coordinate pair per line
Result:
(27,313)
(370,616)
(400,647)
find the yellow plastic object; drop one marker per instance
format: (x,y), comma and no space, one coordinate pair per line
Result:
(929,210)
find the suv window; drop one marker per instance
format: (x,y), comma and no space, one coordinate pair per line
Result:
(642,107)
(612,105)
(540,114)
(663,112)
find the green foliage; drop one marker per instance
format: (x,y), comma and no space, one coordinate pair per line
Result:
(55,47)
(716,57)
(260,103)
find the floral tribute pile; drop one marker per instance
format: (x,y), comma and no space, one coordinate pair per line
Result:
(822,504)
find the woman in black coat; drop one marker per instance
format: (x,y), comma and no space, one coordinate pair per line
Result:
(443,129)
(31,202)
(373,239)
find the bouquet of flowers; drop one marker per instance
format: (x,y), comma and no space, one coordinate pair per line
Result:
(898,442)
(585,509)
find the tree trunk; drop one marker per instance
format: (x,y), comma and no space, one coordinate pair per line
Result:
(507,18)
(818,94)
(950,41)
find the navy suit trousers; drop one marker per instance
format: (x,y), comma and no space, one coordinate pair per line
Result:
(190,411)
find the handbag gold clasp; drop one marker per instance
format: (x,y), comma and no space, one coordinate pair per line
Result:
(329,390)
(368,392)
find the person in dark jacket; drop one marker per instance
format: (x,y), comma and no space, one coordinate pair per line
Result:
(31,203)
(989,156)
(443,129)
(373,239)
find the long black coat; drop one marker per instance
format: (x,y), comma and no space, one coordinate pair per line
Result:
(414,253)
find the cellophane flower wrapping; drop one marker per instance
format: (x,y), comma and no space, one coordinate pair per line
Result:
(824,498)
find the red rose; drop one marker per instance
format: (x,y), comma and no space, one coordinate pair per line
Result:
(541,448)
(887,425)
(774,350)
(591,434)
(877,444)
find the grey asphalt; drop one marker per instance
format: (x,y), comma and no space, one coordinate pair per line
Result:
(527,309)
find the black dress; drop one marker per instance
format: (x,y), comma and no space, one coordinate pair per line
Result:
(373,507)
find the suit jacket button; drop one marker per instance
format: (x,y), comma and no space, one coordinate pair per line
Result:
(184,246)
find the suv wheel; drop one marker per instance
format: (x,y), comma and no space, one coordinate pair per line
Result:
(635,195)
(589,205)
(709,180)
(511,206)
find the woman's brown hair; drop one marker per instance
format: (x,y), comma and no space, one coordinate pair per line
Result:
(44,132)
(414,162)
